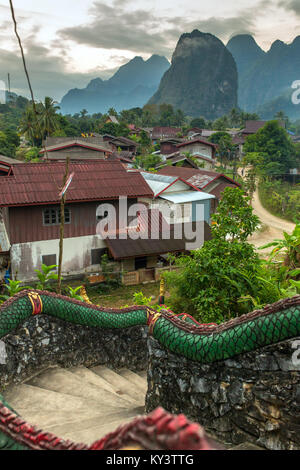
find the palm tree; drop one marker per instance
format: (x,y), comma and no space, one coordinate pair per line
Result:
(48,118)
(281,116)
(29,126)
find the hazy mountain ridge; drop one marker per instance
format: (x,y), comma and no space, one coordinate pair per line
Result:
(265,83)
(131,86)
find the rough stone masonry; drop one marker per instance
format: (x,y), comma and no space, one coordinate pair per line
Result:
(253,397)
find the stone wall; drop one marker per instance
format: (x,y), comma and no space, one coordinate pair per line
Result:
(42,341)
(253,397)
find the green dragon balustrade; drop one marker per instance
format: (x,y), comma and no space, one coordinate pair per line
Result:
(178,334)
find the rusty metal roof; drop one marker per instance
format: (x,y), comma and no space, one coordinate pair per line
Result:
(129,248)
(40,183)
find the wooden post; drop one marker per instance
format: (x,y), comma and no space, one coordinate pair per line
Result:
(62,228)
(162,292)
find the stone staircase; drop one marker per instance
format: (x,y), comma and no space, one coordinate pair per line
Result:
(84,404)
(78,403)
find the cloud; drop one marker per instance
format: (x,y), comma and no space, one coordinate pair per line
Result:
(141,31)
(291,5)
(48,72)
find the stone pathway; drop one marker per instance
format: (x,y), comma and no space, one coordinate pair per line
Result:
(84,404)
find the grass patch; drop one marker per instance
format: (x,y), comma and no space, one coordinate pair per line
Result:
(123,295)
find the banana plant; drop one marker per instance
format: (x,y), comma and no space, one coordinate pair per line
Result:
(289,246)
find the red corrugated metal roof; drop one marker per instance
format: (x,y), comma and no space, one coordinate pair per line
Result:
(40,183)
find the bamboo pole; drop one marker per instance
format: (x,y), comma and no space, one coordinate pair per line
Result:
(62,227)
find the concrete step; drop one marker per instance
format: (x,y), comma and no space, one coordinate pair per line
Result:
(79,403)
(64,381)
(120,383)
(135,379)
(90,430)
(27,399)
(88,376)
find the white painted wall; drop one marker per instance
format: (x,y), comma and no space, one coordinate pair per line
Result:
(197,147)
(173,213)
(26,257)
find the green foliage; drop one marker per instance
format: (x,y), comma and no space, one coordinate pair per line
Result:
(234,218)
(140,299)
(72,292)
(226,277)
(276,150)
(45,276)
(280,198)
(9,141)
(215,281)
(32,154)
(112,279)
(13,287)
(198,122)
(146,162)
(289,246)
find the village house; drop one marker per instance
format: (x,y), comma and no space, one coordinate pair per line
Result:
(177,199)
(120,143)
(159,133)
(177,159)
(201,149)
(209,181)
(29,198)
(5,164)
(76,148)
(168,146)
(30,220)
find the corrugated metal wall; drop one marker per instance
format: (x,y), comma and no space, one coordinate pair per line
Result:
(26,223)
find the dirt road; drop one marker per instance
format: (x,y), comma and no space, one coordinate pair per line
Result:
(273,227)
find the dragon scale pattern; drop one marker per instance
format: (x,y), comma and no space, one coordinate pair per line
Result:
(203,343)
(179,334)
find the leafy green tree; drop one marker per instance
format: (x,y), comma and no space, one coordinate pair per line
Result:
(275,147)
(198,122)
(147,162)
(217,137)
(234,218)
(225,277)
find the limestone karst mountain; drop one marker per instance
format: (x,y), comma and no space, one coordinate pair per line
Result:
(202,79)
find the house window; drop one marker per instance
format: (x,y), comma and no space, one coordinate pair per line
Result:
(49,260)
(52,216)
(140,263)
(96,255)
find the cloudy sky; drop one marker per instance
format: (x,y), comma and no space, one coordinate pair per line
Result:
(69,42)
